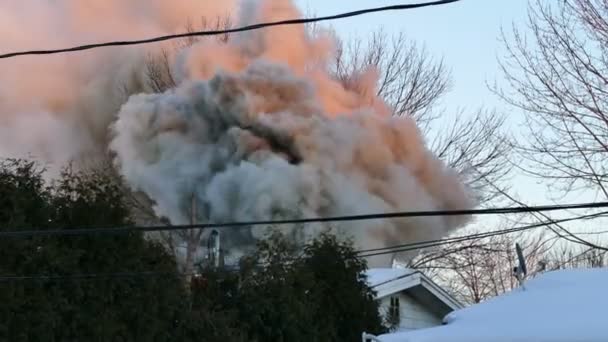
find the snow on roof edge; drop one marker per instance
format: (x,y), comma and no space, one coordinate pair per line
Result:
(379,276)
(566,305)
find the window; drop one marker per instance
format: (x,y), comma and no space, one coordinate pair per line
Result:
(393,310)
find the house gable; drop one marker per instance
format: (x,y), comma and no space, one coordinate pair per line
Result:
(422,302)
(412,314)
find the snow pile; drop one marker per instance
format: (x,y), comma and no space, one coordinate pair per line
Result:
(569,305)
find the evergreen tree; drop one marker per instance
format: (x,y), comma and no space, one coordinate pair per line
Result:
(346,305)
(279,294)
(129,308)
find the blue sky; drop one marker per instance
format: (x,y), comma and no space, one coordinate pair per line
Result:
(464,33)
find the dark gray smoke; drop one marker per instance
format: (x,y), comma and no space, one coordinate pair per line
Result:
(259,130)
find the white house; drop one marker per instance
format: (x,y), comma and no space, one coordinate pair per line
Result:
(413,300)
(557,306)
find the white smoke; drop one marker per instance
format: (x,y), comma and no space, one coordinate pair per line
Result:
(259,129)
(58,108)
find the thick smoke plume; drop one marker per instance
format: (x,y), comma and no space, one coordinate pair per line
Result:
(58,108)
(257,127)
(260,129)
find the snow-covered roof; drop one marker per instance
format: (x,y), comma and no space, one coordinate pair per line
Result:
(378,276)
(567,305)
(388,281)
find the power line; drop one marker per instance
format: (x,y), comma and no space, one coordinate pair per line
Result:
(231,30)
(569,235)
(482,235)
(241,224)
(447,241)
(599,232)
(362,254)
(94,276)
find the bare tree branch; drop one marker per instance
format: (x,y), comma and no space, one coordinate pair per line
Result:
(411,81)
(477,148)
(558,76)
(475,270)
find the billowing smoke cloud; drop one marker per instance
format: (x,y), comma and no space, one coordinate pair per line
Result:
(58,108)
(257,127)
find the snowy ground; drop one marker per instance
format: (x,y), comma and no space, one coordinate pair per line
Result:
(568,305)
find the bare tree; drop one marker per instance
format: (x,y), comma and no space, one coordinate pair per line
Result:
(476,147)
(566,257)
(413,83)
(159,73)
(477,269)
(558,77)
(159,66)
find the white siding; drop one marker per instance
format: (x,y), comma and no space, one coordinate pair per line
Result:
(413,315)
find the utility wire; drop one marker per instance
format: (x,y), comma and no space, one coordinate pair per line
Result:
(362,254)
(240,224)
(569,236)
(231,30)
(94,276)
(456,239)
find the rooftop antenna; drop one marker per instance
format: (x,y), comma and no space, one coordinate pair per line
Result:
(520,271)
(214,249)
